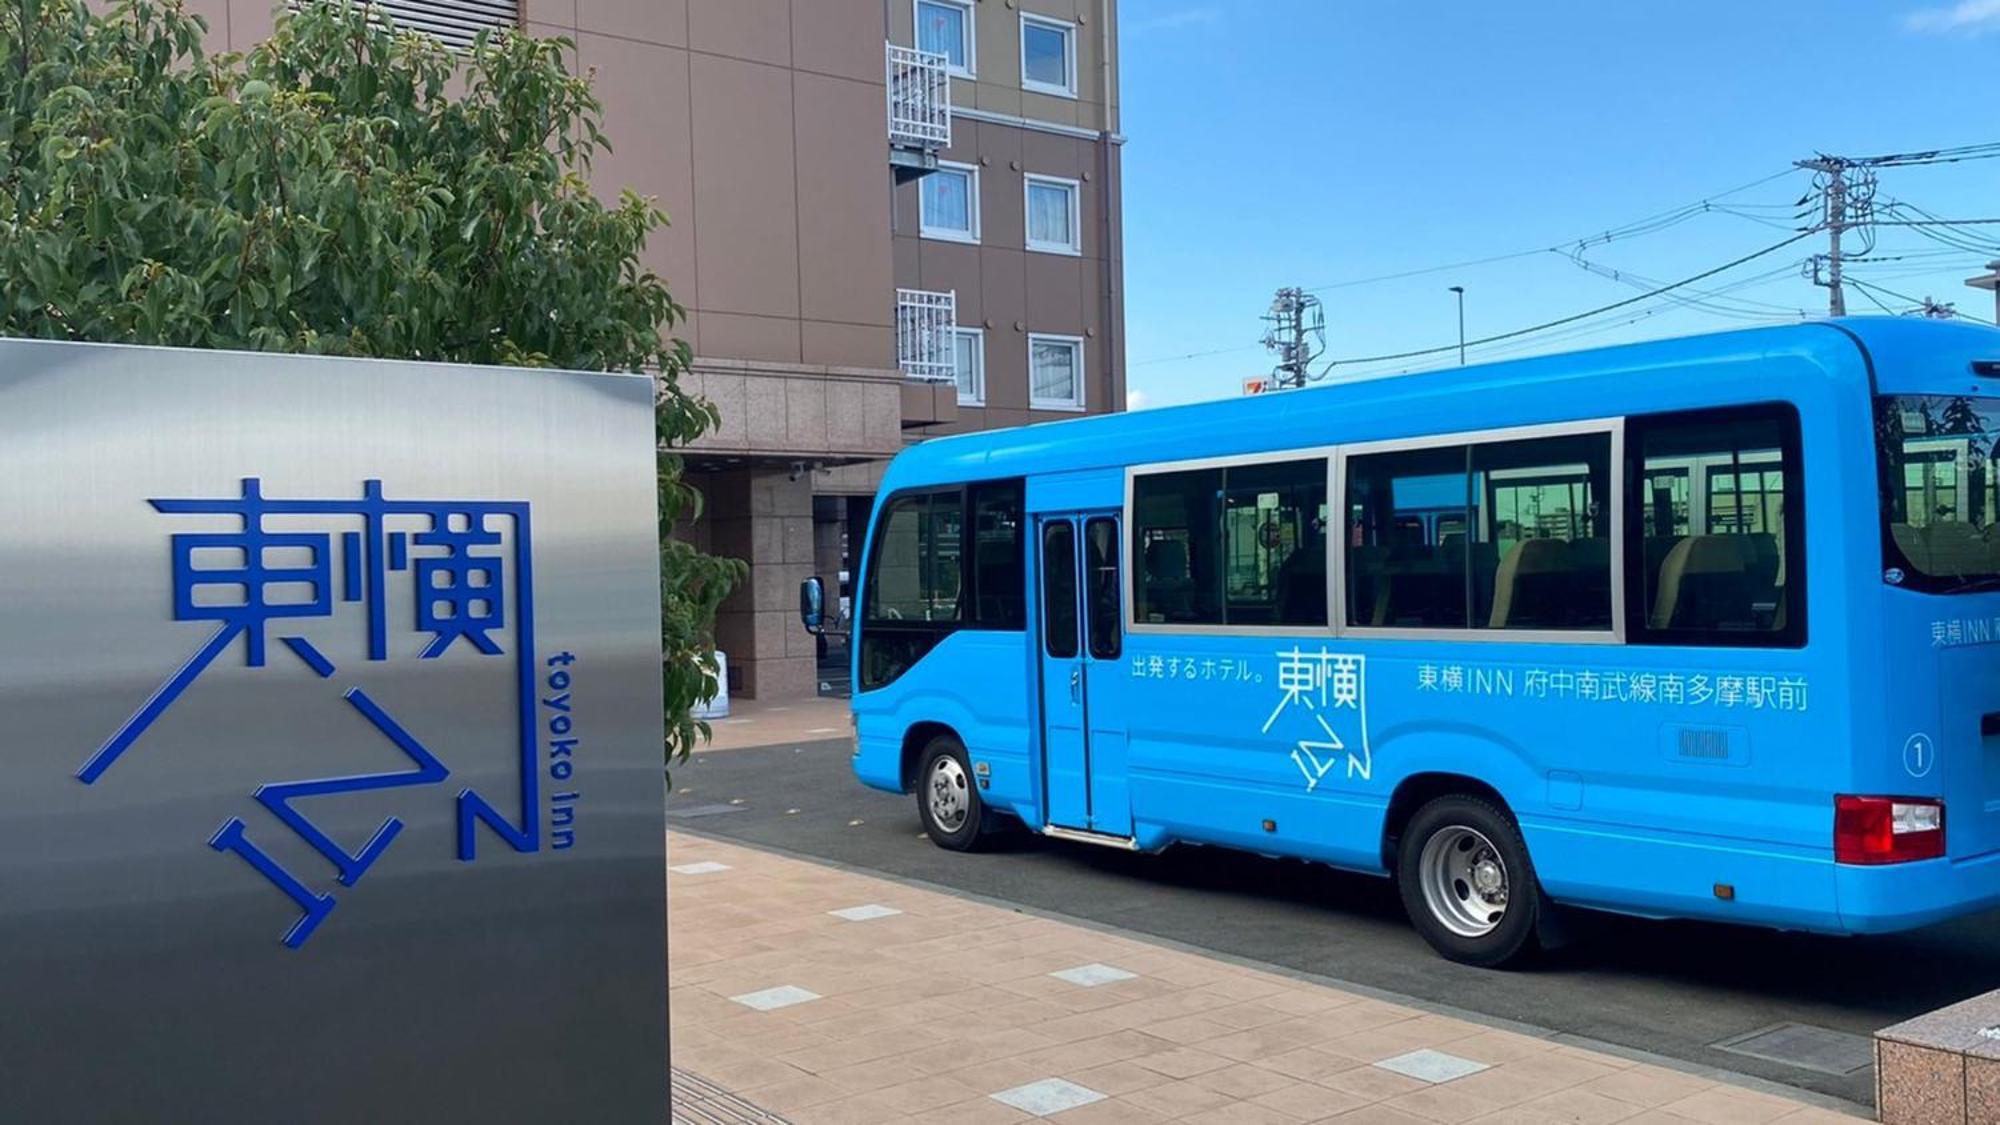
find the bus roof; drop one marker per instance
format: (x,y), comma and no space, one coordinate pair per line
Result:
(1548,388)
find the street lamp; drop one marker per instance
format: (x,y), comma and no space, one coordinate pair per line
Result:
(1460,290)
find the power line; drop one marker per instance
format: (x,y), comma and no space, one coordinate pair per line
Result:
(1648,225)
(1986,151)
(1195,355)
(1752,256)
(1920,303)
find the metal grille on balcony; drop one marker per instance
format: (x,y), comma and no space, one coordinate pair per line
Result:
(919,99)
(456,22)
(926,334)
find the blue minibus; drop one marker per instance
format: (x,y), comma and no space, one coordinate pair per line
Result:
(1700,628)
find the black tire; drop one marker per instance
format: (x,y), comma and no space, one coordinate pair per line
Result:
(1512,938)
(944,763)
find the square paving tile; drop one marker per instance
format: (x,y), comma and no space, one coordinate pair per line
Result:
(1431,1066)
(865,913)
(705,867)
(771,999)
(1048,1096)
(1093,974)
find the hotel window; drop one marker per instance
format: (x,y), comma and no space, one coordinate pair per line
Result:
(969,365)
(944,27)
(1048,56)
(1055,219)
(950,203)
(1055,372)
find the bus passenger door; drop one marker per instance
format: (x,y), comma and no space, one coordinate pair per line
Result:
(1083,739)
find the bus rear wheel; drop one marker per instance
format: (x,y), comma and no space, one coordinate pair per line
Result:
(1467,883)
(947,800)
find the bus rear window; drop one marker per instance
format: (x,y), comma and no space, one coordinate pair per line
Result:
(1940,489)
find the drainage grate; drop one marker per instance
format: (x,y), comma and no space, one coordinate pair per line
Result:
(704,810)
(697,1101)
(1820,1049)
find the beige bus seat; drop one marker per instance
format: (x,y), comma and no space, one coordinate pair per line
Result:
(1658,547)
(1760,550)
(1532,586)
(1704,582)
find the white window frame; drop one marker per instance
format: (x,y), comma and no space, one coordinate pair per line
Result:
(978,337)
(1158,468)
(1074,247)
(1336,567)
(947,234)
(1075,405)
(1068,29)
(971,67)
(1337,457)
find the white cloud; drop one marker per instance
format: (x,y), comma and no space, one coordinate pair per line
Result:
(1172,21)
(1135,400)
(1971,17)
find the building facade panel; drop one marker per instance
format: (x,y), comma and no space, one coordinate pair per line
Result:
(843,216)
(839,38)
(746,200)
(754,30)
(654,150)
(663,22)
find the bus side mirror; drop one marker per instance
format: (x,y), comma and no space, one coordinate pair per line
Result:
(812,604)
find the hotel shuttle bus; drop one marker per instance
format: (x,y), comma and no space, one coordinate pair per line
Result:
(1701,628)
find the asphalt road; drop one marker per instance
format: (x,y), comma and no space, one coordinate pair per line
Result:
(1672,988)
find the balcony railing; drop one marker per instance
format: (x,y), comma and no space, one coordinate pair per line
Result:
(919,99)
(926,334)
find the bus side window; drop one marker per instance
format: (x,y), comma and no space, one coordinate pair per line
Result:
(1406,549)
(1176,524)
(999,559)
(1542,555)
(1059,589)
(917,572)
(1236,545)
(1715,545)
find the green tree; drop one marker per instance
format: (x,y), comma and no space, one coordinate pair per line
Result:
(341,189)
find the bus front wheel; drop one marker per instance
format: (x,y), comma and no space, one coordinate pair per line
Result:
(1467,883)
(947,800)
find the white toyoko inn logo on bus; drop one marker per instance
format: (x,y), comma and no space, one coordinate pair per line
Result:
(1330,689)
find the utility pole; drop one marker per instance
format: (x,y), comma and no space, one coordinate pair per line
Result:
(1460,290)
(1848,204)
(1297,335)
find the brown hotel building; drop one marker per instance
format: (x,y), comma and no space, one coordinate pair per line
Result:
(892,219)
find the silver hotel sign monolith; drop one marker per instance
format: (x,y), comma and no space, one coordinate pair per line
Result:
(333,742)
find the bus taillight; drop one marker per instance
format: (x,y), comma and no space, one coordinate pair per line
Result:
(1876,830)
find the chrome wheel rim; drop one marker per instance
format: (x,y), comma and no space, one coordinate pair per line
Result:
(1464,880)
(948,795)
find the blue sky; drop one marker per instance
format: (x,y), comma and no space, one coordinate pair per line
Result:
(1314,142)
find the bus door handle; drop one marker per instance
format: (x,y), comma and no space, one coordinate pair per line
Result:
(1076,686)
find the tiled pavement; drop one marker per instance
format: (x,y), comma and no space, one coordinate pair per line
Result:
(792,989)
(753,722)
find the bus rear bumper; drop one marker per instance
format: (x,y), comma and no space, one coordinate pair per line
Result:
(1904,896)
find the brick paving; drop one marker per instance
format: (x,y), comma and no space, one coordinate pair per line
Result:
(753,723)
(937,1008)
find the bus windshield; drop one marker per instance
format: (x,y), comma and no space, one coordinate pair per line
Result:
(1940,463)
